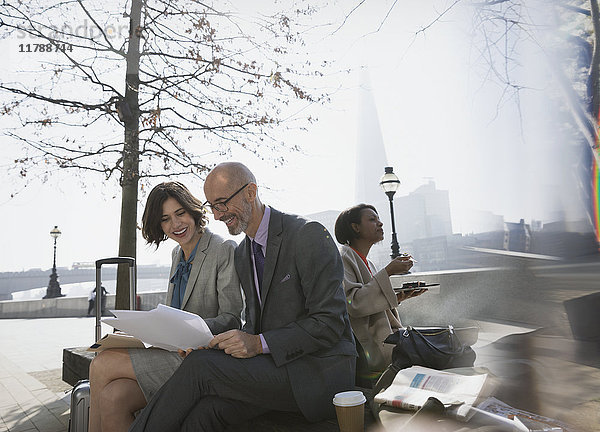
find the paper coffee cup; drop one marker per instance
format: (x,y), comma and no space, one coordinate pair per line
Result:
(350,410)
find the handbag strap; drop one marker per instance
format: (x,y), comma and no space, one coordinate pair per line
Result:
(415,333)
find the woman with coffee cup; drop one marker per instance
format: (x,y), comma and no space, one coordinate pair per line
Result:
(371,300)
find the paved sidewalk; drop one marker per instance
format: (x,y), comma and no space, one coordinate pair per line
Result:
(27,405)
(547,373)
(31,348)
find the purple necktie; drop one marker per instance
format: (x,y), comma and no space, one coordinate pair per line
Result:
(259,262)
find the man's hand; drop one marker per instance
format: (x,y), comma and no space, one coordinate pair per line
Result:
(237,343)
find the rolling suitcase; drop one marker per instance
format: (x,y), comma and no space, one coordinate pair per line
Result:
(80,407)
(80,396)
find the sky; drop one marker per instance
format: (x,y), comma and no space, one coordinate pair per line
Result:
(440,119)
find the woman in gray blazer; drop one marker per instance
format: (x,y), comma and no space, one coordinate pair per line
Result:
(203,281)
(370,298)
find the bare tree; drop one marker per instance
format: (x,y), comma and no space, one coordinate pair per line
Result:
(578,72)
(567,33)
(570,50)
(182,80)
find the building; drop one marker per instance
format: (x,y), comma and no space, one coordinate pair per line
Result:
(423,213)
(517,236)
(326,218)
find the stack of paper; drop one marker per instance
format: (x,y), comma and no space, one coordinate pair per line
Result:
(530,422)
(164,327)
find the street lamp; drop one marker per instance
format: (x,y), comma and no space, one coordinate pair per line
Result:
(53,286)
(390,183)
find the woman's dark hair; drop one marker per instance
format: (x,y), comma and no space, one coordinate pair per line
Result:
(151,220)
(343,224)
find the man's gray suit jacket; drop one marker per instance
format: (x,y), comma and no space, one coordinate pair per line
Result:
(303,316)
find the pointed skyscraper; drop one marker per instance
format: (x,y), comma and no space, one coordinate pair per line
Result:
(370,153)
(371,160)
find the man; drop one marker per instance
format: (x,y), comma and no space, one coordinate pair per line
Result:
(296,349)
(92,301)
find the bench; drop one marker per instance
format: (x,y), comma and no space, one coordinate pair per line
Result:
(76,364)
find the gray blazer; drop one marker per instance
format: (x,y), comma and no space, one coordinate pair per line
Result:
(213,288)
(372,308)
(303,316)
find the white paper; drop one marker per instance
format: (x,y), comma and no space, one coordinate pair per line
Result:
(163,327)
(499,408)
(413,386)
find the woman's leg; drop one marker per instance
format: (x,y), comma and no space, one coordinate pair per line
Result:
(108,366)
(119,400)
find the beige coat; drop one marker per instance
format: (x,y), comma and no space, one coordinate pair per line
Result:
(371,304)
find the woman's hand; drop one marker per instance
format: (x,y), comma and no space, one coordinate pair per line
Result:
(399,265)
(183,354)
(405,295)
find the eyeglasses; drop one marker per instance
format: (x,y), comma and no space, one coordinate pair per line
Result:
(221,207)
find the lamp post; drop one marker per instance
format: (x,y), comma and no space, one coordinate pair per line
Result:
(390,183)
(53,286)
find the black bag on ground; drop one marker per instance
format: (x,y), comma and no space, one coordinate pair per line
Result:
(435,348)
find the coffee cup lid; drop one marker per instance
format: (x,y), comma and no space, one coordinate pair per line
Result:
(349,398)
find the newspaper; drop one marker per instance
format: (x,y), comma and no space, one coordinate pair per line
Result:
(531,422)
(163,327)
(413,386)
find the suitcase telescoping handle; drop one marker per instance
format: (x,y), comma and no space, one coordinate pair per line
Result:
(114,260)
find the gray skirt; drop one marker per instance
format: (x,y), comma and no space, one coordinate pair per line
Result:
(153,367)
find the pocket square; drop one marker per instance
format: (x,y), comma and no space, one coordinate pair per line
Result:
(286,278)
